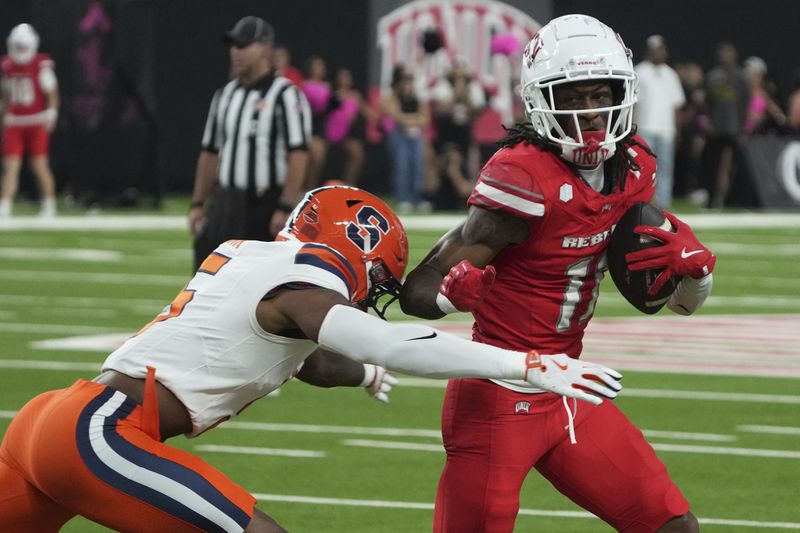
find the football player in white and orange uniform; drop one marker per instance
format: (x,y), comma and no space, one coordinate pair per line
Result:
(254,315)
(527,263)
(30,110)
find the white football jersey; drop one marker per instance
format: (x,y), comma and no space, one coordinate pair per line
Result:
(207,347)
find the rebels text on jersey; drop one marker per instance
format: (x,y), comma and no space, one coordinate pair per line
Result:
(22,84)
(546,288)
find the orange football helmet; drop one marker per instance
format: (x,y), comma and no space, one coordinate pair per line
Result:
(362,228)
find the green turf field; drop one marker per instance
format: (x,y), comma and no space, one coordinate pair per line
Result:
(337,461)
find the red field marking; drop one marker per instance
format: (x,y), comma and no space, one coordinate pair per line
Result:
(753,345)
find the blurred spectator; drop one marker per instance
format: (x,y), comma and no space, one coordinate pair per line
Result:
(728,95)
(452,187)
(30,111)
(403,119)
(432,64)
(457,99)
(502,105)
(660,97)
(346,125)
(692,130)
(793,104)
(320,96)
(763,114)
(282,63)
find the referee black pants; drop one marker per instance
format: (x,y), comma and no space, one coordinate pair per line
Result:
(235,214)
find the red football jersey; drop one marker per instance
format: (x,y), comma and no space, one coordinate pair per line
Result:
(22,86)
(546,288)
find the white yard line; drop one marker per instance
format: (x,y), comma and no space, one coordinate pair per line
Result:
(429,222)
(433,433)
(768,250)
(681,448)
(92,277)
(663,447)
(394,445)
(428,506)
(249,450)
(316,428)
(78,301)
(60,329)
(723,450)
(775,430)
(59,366)
(680,435)
(61,254)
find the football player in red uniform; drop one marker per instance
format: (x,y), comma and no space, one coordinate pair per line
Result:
(30,110)
(527,262)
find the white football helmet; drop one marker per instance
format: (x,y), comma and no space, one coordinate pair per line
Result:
(576,48)
(22,43)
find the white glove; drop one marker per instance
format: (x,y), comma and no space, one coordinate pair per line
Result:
(572,378)
(378,382)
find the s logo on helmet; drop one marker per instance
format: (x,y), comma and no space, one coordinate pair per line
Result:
(368,229)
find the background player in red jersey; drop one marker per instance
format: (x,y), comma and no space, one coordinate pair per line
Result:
(30,110)
(527,262)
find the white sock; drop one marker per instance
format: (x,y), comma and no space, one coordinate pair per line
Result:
(5,207)
(48,207)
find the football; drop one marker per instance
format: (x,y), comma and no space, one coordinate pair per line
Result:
(633,285)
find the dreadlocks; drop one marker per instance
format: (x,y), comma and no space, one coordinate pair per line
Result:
(616,168)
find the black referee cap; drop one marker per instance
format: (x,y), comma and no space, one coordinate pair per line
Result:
(249,30)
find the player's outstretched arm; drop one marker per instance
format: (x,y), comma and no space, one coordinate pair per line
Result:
(454,276)
(327,318)
(328,369)
(423,351)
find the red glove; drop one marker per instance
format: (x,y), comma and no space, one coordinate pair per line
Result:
(464,287)
(680,255)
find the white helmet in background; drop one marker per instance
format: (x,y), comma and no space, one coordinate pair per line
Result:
(576,48)
(22,43)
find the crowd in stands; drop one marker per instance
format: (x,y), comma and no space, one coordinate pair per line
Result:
(437,123)
(438,130)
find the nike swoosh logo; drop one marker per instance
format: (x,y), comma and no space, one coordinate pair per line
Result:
(562,367)
(431,336)
(685,254)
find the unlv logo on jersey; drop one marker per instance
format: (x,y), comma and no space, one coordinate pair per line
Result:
(367,232)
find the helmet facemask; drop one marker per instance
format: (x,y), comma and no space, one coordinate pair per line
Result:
(381,283)
(539,99)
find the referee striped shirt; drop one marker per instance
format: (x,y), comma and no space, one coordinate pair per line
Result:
(253,129)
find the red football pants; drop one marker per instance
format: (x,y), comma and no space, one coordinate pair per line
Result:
(82,450)
(494,436)
(21,140)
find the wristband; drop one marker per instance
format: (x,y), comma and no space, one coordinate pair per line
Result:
(370,374)
(444,304)
(51,113)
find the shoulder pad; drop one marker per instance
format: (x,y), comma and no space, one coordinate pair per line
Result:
(511,181)
(326,258)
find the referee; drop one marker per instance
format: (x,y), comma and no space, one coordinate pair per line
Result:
(254,151)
